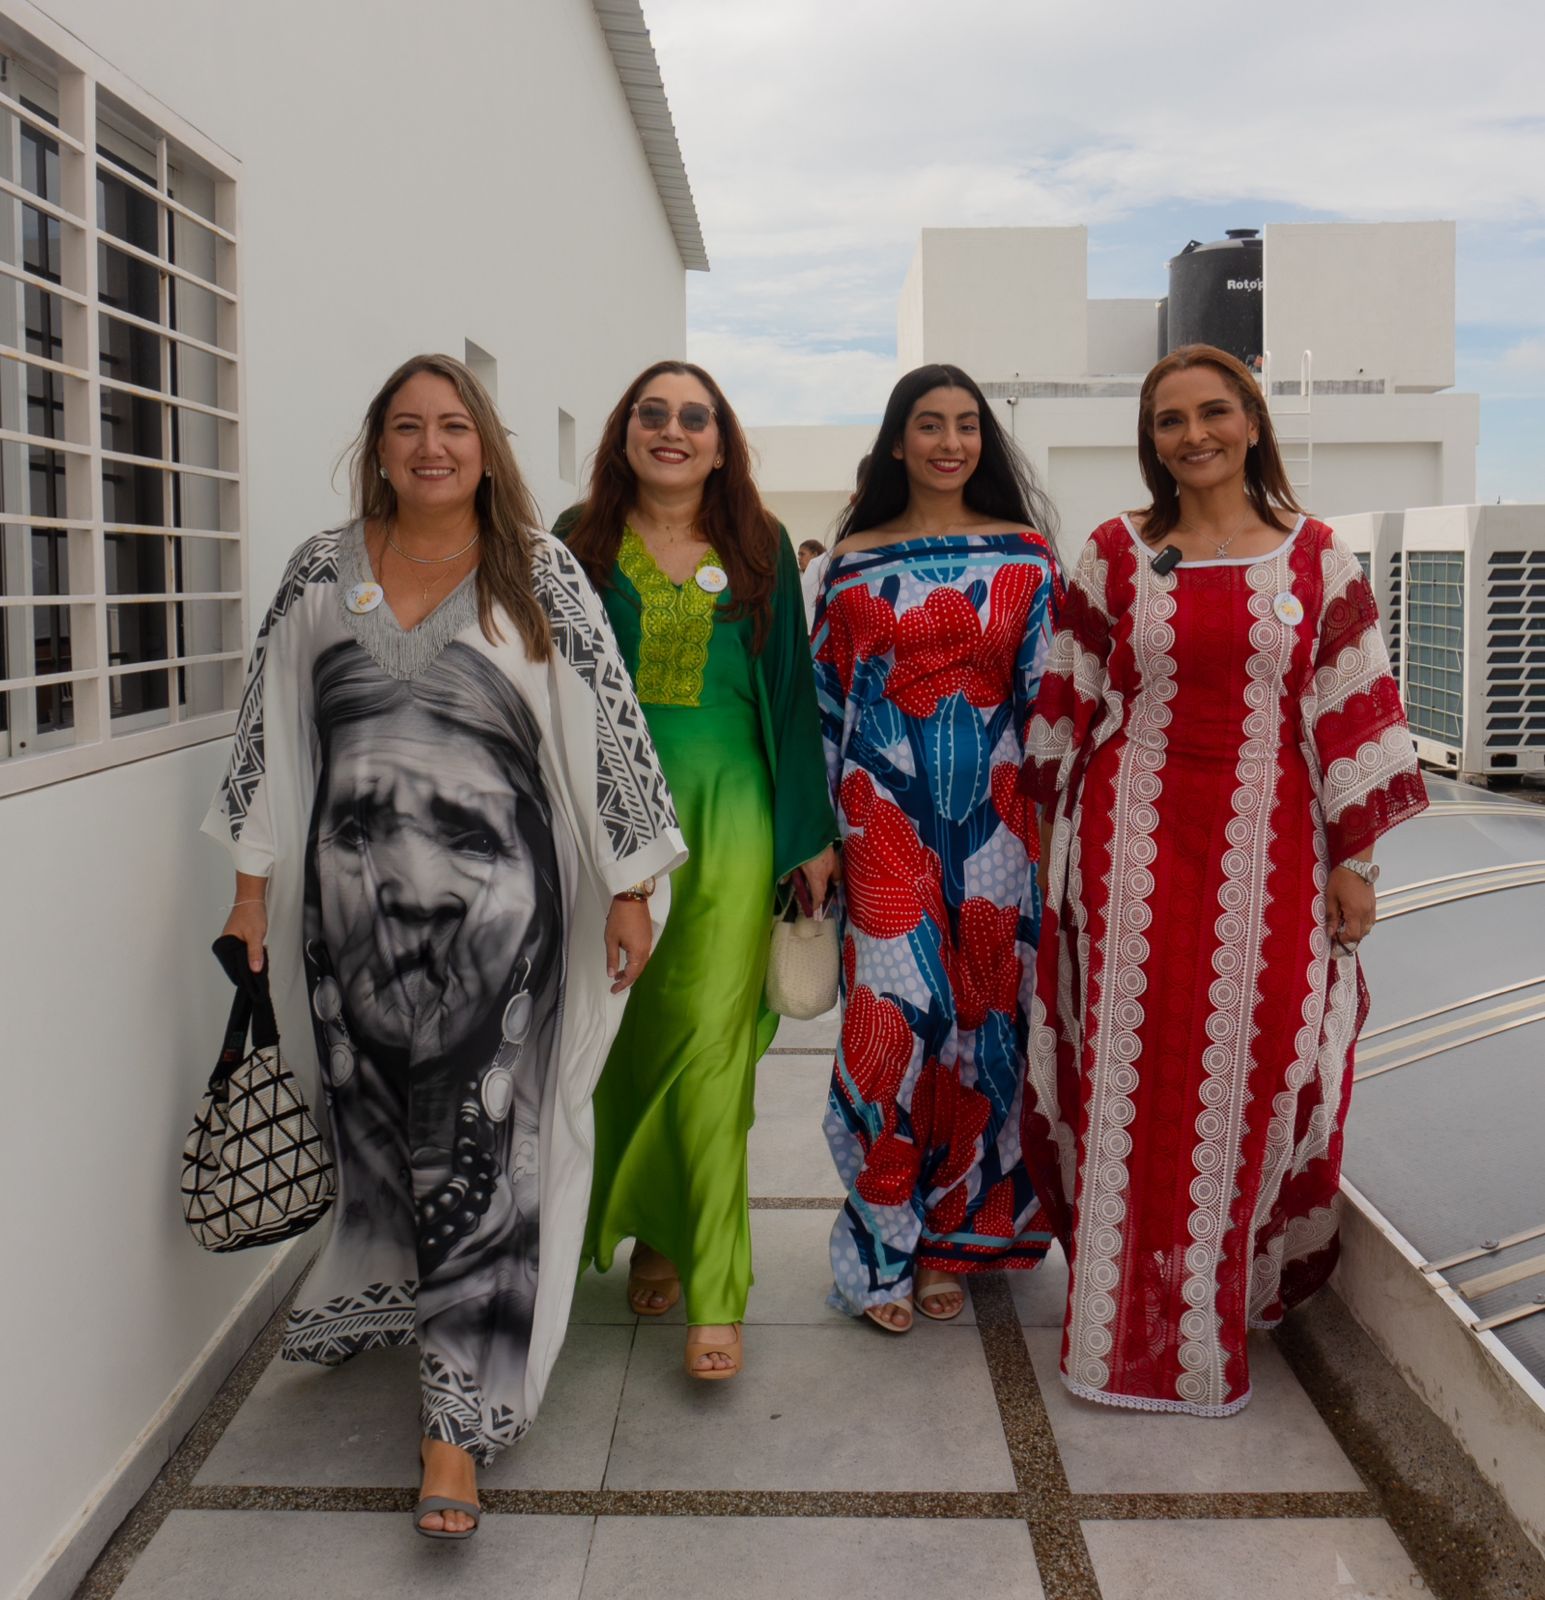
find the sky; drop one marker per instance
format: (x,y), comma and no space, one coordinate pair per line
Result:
(820,136)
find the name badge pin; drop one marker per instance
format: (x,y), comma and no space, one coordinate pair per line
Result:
(712,580)
(1289,609)
(364,597)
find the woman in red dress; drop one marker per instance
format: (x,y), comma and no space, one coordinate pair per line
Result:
(1217,744)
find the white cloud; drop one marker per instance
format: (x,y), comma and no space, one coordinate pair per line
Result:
(773,380)
(821,135)
(1527,357)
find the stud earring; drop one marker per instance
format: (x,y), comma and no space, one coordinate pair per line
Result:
(488,472)
(719,462)
(381,469)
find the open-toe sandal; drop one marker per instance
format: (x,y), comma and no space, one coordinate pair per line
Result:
(873,1314)
(700,1347)
(442,1503)
(641,1286)
(945,1285)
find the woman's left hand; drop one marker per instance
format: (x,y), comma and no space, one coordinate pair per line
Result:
(629,940)
(820,874)
(1349,907)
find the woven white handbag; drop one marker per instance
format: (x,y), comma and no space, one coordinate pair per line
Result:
(254,1169)
(802,965)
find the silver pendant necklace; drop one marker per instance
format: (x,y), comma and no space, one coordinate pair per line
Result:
(1217,549)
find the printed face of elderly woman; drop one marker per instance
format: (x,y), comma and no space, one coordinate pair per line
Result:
(427,890)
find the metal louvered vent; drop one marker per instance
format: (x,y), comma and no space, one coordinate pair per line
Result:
(1515,651)
(1434,627)
(1392,617)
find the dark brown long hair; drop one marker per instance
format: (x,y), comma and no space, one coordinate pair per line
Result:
(1266,479)
(732,518)
(507,515)
(1003,486)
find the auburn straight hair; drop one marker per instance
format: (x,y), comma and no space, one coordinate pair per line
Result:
(1266,479)
(507,515)
(732,518)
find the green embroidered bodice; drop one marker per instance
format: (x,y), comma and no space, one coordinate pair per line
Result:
(676,627)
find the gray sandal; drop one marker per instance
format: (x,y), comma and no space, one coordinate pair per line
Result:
(440,1502)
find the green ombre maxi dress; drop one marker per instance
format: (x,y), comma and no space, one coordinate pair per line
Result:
(739,738)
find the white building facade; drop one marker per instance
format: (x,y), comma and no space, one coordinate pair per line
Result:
(220,228)
(1373,304)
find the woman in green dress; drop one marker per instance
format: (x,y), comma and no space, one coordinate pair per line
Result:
(702,588)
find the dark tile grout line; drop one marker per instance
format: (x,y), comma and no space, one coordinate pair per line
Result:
(1056,1539)
(1042,1497)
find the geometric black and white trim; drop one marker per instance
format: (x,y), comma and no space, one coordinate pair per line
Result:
(316,561)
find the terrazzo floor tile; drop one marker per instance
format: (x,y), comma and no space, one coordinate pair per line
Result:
(643,1558)
(354,1555)
(816,1408)
(356,1426)
(788,1151)
(1328,1558)
(1277,1443)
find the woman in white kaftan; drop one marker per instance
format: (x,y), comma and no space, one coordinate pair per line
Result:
(451,840)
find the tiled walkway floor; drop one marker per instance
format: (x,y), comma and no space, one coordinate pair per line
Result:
(842,1463)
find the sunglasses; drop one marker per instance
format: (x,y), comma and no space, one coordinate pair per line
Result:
(654,414)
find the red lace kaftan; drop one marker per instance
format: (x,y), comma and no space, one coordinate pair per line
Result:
(1210,742)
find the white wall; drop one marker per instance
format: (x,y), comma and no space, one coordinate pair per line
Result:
(410,179)
(1371,300)
(1123,336)
(1089,485)
(1001,301)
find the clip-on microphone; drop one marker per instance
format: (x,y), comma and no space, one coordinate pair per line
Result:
(1166,561)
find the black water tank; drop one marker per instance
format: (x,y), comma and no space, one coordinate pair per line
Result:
(1215,295)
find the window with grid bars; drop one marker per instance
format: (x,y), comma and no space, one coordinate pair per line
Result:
(1515,650)
(121,511)
(1433,625)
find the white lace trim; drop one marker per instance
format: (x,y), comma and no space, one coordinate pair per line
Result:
(1132,1402)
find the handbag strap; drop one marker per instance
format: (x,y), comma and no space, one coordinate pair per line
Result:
(252,1007)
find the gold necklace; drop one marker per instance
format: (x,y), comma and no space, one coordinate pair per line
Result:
(428,581)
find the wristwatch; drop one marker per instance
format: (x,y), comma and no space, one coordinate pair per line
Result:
(1365,870)
(639,891)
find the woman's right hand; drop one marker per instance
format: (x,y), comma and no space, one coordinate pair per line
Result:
(248,920)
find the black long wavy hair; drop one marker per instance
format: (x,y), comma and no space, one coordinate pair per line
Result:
(1003,486)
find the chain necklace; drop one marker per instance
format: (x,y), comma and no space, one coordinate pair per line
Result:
(429,581)
(1217,549)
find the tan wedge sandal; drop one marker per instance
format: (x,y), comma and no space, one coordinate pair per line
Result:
(701,1347)
(641,1286)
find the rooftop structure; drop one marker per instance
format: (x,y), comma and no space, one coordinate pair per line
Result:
(1357,348)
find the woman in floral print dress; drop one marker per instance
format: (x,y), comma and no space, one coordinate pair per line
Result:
(929,640)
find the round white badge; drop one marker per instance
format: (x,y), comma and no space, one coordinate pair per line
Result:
(712,580)
(1289,608)
(364,597)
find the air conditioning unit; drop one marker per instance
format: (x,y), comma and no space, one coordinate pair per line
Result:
(1375,539)
(1471,634)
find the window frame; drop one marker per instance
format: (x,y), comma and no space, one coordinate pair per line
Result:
(105,119)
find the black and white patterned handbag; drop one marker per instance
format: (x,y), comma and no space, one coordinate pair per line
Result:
(254,1169)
